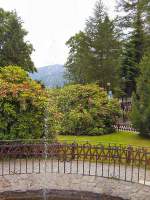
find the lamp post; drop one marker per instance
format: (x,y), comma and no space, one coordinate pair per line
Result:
(110,95)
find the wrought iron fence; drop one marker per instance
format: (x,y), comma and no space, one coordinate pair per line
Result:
(126,163)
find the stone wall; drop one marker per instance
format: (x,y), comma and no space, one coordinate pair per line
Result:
(73,182)
(57,195)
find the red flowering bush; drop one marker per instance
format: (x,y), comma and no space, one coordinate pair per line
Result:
(22,105)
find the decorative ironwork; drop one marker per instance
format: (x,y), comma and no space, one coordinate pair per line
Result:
(121,162)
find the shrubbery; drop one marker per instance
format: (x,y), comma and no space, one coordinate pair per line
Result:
(22,105)
(83,110)
(29,111)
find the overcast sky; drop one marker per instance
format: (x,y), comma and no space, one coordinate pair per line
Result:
(51,23)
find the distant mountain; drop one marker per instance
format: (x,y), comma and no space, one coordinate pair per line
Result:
(51,76)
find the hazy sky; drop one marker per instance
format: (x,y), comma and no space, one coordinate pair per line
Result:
(51,23)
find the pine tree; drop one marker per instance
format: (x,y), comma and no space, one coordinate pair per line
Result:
(106,52)
(135,21)
(129,70)
(141,100)
(94,53)
(13,48)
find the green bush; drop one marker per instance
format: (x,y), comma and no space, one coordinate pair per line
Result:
(84,110)
(28,111)
(96,131)
(23,105)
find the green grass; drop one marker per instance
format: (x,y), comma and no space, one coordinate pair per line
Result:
(118,138)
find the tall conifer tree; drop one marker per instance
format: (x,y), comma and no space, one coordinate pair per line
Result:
(14,50)
(97,55)
(135,21)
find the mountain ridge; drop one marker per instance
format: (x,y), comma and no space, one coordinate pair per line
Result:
(50,75)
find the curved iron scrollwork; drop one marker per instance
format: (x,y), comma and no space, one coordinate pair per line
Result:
(108,160)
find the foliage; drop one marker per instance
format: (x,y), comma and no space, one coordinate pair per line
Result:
(94,54)
(128,70)
(22,105)
(79,59)
(14,50)
(132,11)
(137,41)
(84,110)
(141,100)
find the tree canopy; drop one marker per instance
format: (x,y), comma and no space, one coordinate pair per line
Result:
(94,54)
(136,25)
(14,50)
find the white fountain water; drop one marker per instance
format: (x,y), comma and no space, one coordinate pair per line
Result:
(45,154)
(45,168)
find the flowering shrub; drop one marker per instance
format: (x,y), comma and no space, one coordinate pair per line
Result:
(84,110)
(28,111)
(22,105)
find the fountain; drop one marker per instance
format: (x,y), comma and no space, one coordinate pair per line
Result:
(45,164)
(45,152)
(57,195)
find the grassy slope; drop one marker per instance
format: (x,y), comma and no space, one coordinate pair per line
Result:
(118,138)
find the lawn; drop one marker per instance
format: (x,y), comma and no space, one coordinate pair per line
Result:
(117,138)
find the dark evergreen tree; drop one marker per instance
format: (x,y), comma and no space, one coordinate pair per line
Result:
(94,54)
(135,21)
(141,100)
(106,50)
(128,70)
(14,50)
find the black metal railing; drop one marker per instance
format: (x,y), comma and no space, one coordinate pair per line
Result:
(121,162)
